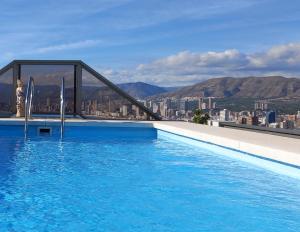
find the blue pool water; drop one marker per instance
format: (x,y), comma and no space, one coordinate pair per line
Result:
(118,179)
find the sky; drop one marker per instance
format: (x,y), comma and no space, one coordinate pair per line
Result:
(161,42)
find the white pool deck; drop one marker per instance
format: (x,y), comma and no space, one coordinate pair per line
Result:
(275,147)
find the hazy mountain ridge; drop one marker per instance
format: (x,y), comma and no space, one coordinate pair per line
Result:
(142,90)
(248,87)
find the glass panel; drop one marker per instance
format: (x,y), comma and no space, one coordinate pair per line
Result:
(6,90)
(47,80)
(100,101)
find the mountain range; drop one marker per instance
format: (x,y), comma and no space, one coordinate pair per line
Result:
(141,90)
(250,87)
(237,94)
(270,87)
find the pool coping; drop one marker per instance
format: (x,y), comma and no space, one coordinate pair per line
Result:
(284,150)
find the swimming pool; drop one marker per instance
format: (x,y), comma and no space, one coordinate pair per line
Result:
(135,179)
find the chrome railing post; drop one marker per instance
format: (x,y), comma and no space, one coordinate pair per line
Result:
(62,107)
(28,102)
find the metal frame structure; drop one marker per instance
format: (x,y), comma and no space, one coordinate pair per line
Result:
(78,67)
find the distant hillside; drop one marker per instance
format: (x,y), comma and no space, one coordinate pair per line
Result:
(250,87)
(142,90)
(171,89)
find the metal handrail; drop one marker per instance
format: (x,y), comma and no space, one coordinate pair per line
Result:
(62,106)
(28,102)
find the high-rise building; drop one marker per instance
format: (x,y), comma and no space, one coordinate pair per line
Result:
(167,102)
(144,102)
(255,120)
(298,123)
(156,108)
(124,110)
(150,104)
(192,105)
(183,105)
(209,103)
(287,124)
(200,103)
(224,115)
(214,105)
(270,117)
(291,117)
(164,110)
(261,105)
(137,111)
(174,104)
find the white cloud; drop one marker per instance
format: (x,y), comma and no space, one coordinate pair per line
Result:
(68,46)
(189,67)
(284,57)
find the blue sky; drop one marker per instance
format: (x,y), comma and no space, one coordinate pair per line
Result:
(167,43)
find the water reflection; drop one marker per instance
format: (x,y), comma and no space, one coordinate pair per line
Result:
(8,154)
(9,150)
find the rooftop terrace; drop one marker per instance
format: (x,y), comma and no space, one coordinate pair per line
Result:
(92,100)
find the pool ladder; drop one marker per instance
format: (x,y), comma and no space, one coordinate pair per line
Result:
(28,105)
